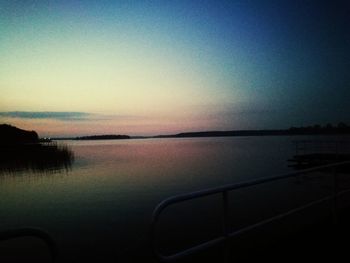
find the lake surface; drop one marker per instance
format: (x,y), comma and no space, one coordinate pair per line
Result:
(100,207)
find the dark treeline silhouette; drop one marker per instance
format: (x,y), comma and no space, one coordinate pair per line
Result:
(13,135)
(341,128)
(22,150)
(103,137)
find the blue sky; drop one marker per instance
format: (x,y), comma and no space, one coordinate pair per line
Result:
(172,66)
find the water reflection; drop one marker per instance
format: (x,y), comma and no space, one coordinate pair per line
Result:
(36,158)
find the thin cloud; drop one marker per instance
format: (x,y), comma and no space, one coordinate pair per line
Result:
(56,115)
(66,116)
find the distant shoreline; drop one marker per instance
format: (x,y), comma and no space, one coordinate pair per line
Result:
(236,133)
(248,133)
(103,137)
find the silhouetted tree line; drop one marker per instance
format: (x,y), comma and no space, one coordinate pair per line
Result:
(22,150)
(340,128)
(13,135)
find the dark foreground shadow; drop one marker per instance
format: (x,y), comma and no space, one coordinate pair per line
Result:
(48,158)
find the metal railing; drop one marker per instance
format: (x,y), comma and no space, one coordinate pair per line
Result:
(224,190)
(31,232)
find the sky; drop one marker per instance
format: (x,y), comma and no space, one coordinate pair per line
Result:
(71,68)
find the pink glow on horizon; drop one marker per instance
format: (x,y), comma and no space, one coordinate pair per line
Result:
(136,127)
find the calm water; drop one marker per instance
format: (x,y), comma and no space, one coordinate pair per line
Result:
(101,207)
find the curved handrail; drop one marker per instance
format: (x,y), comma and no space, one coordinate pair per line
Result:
(224,189)
(33,232)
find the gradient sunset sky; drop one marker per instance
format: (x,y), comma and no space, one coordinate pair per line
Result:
(157,67)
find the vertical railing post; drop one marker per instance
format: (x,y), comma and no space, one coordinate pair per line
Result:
(337,152)
(225,225)
(335,197)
